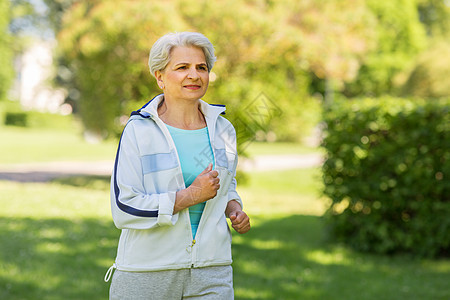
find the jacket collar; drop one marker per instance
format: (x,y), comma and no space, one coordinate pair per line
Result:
(150,109)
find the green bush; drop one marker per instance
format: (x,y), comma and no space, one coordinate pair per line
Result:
(13,114)
(387,172)
(429,77)
(16,119)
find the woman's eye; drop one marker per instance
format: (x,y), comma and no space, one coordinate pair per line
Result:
(181,68)
(203,68)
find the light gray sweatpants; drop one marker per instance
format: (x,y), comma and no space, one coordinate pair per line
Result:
(200,283)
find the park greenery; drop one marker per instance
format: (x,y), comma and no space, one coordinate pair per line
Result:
(372,75)
(295,53)
(6,53)
(386,172)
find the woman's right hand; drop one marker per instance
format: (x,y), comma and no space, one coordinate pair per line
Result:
(205,186)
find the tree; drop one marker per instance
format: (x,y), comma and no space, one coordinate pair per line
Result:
(264,48)
(429,77)
(105,62)
(399,38)
(6,53)
(435,15)
(108,62)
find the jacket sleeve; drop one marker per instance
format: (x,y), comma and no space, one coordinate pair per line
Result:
(233,195)
(232,145)
(131,206)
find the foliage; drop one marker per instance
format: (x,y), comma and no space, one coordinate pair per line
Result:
(263,47)
(386,172)
(6,53)
(435,15)
(25,18)
(284,49)
(332,36)
(399,38)
(55,12)
(430,75)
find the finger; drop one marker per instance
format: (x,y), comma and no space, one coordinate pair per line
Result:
(238,223)
(240,217)
(245,229)
(214,173)
(242,228)
(232,216)
(207,169)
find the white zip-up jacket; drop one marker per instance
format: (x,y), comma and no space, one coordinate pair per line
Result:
(147,174)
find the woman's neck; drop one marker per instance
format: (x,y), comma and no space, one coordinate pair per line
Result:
(182,114)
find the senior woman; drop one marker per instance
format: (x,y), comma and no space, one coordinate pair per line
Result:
(173,184)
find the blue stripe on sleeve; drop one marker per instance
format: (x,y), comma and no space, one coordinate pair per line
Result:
(159,161)
(221,157)
(126,208)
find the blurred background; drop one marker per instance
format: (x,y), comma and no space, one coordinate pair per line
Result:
(313,89)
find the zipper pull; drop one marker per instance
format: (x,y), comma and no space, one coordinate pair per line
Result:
(189,248)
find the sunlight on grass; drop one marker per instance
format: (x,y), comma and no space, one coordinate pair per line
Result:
(292,191)
(47,200)
(22,145)
(260,148)
(441,266)
(261,202)
(266,245)
(327,258)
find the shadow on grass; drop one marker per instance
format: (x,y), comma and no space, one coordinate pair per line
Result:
(289,258)
(270,262)
(280,258)
(55,258)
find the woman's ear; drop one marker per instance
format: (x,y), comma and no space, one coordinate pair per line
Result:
(159,80)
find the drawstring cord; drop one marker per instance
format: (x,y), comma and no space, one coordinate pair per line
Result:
(109,272)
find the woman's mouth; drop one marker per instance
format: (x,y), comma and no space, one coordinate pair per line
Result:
(192,87)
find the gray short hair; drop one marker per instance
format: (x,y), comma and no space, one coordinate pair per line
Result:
(160,52)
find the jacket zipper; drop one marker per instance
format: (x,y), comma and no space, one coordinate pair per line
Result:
(204,216)
(166,133)
(189,248)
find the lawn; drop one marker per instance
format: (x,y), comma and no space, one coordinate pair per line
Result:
(57,239)
(24,145)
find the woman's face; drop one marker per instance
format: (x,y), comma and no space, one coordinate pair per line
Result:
(186,76)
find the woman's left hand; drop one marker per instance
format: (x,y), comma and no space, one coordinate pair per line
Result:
(240,221)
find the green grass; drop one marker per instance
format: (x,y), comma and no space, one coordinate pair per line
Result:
(50,137)
(22,145)
(260,148)
(287,257)
(58,239)
(293,191)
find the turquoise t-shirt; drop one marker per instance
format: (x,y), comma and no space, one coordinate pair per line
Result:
(195,153)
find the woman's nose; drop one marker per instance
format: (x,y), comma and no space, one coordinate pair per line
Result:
(192,74)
